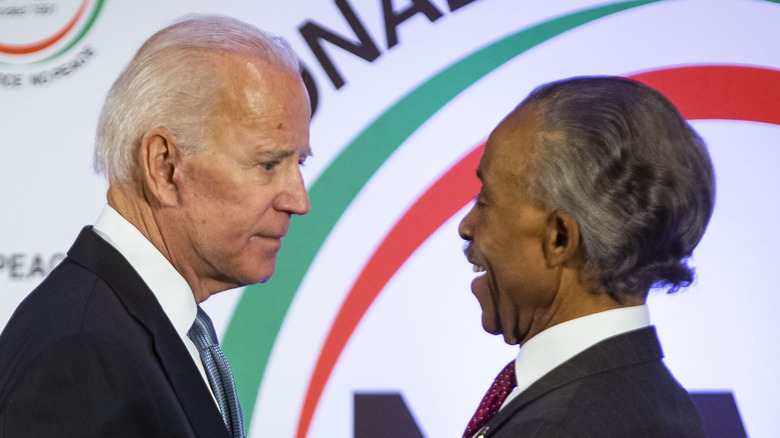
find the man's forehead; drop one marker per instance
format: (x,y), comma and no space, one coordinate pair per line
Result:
(509,151)
(489,174)
(250,82)
(262,110)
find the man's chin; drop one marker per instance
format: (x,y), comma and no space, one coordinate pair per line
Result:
(510,339)
(481,290)
(262,278)
(257,276)
(490,325)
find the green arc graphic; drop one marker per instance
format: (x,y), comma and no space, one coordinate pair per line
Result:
(87,26)
(256,322)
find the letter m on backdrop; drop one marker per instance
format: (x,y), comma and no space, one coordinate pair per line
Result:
(386,415)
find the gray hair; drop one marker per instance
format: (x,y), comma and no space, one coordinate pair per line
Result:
(618,156)
(171,83)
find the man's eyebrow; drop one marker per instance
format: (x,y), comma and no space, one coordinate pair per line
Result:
(278,155)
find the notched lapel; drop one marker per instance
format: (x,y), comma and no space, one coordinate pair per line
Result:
(190,388)
(97,255)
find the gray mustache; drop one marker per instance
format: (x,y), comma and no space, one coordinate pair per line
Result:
(472,255)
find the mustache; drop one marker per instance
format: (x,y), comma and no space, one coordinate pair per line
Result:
(472,255)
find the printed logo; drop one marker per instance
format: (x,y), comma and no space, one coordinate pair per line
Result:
(34,33)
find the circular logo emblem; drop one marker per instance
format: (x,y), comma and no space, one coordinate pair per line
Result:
(37,31)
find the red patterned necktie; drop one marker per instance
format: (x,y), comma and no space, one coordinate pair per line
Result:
(491,402)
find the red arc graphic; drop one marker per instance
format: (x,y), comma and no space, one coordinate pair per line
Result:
(48,42)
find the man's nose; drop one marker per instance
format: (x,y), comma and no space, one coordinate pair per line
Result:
(294,199)
(465,227)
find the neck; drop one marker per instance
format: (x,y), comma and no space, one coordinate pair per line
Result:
(576,298)
(141,210)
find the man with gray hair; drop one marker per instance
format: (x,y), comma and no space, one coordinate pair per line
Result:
(594,191)
(201,138)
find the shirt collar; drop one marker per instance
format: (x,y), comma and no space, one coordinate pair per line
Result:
(559,343)
(169,287)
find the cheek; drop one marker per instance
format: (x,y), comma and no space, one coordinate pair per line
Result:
(215,195)
(519,274)
(213,213)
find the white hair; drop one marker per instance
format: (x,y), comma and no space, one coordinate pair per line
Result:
(171,82)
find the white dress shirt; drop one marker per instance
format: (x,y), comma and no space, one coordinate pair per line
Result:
(169,287)
(559,343)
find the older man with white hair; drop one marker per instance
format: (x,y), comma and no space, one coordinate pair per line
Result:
(201,138)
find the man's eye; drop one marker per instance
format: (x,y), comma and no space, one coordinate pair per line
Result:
(269,165)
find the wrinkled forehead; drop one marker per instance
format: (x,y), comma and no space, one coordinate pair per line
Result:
(252,87)
(257,96)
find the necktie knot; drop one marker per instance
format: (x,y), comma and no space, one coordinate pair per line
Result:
(504,383)
(202,332)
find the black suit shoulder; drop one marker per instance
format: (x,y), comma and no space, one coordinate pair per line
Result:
(636,401)
(618,388)
(81,385)
(71,363)
(90,352)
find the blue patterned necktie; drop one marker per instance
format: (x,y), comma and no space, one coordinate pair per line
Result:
(218,372)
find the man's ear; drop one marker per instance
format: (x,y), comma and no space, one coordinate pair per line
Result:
(159,158)
(563,238)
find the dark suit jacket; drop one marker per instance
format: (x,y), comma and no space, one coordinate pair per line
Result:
(90,353)
(617,388)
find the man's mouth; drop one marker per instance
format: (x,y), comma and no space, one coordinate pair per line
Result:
(474,258)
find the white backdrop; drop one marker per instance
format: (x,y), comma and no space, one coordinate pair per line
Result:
(421,336)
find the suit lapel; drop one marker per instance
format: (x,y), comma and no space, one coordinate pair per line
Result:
(95,254)
(635,347)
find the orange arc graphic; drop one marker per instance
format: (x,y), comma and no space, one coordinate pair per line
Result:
(48,42)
